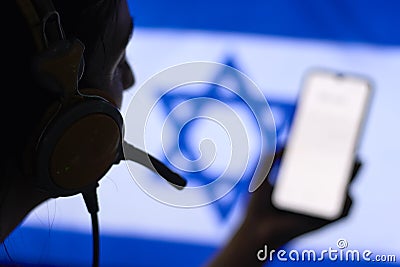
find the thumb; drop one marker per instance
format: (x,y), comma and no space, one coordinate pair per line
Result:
(260,178)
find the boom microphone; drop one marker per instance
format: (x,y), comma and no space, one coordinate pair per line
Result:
(137,155)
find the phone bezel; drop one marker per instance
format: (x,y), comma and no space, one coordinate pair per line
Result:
(361,127)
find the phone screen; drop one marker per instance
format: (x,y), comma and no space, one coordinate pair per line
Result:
(319,154)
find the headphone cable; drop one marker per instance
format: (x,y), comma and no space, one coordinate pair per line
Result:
(90,197)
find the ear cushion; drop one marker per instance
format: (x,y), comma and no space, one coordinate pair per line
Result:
(78,147)
(85,151)
(32,143)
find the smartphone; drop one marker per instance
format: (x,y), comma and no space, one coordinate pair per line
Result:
(322,143)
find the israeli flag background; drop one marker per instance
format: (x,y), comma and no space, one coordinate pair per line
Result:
(273,43)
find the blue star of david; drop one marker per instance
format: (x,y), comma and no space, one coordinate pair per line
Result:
(170,100)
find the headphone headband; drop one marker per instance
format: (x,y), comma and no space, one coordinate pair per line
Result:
(80,136)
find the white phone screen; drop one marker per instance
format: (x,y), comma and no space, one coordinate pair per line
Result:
(319,154)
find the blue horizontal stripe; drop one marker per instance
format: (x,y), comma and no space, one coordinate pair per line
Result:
(33,247)
(43,247)
(372,21)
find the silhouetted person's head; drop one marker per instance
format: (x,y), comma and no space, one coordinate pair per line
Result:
(104,28)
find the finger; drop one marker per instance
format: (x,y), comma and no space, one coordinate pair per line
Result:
(356,167)
(264,191)
(345,211)
(279,153)
(347,206)
(262,194)
(262,172)
(316,222)
(300,223)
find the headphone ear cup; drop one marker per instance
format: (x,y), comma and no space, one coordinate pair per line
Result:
(79,137)
(84,152)
(79,144)
(28,154)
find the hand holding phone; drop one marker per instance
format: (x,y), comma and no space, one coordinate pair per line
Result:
(318,162)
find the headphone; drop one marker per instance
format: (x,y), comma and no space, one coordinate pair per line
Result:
(80,135)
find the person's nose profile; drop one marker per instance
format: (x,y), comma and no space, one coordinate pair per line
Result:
(128,77)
